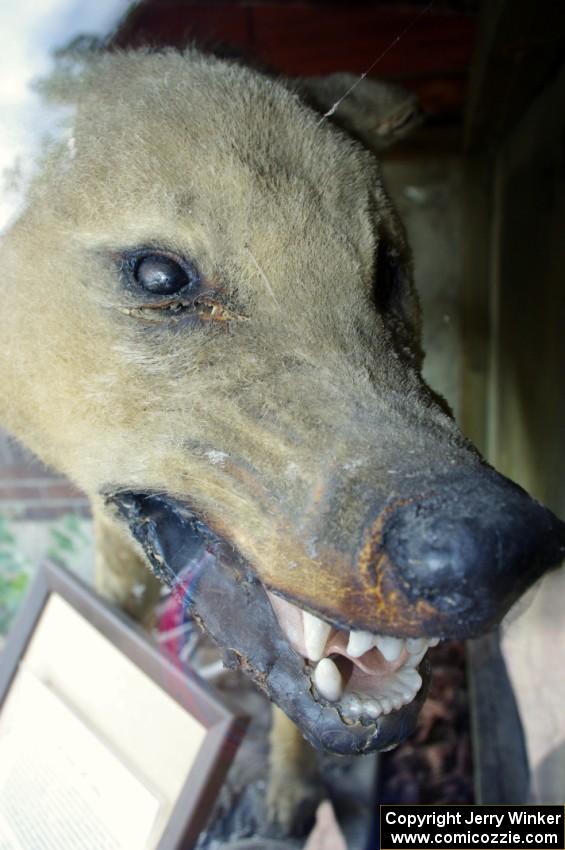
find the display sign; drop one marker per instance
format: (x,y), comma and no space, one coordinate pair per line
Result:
(104,742)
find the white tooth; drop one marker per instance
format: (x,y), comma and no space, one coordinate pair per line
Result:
(434,641)
(394,686)
(399,689)
(386,704)
(352,705)
(315,635)
(411,678)
(414,660)
(372,708)
(416,645)
(390,647)
(327,679)
(359,643)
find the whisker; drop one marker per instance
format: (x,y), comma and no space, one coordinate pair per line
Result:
(263,275)
(331,111)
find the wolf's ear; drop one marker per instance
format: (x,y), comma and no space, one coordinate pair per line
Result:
(376,113)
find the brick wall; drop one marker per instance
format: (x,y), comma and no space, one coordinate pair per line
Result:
(31,491)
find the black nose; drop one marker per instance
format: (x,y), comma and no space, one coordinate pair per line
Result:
(473,546)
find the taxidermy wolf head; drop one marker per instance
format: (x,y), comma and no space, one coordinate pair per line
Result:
(209,324)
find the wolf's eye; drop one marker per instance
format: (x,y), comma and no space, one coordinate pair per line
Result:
(161,274)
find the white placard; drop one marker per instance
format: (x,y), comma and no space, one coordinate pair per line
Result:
(61,788)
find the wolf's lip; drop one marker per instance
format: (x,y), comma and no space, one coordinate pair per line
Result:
(225,596)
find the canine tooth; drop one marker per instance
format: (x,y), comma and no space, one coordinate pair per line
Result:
(315,635)
(359,643)
(433,641)
(390,647)
(327,679)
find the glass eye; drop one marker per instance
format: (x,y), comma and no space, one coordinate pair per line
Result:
(161,275)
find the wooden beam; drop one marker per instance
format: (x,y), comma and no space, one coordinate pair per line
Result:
(520,48)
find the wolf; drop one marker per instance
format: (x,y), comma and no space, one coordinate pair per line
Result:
(210,325)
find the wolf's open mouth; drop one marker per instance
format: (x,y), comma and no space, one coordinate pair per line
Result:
(348,691)
(440,566)
(363,674)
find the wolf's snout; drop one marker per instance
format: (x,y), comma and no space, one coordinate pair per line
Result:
(472,547)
